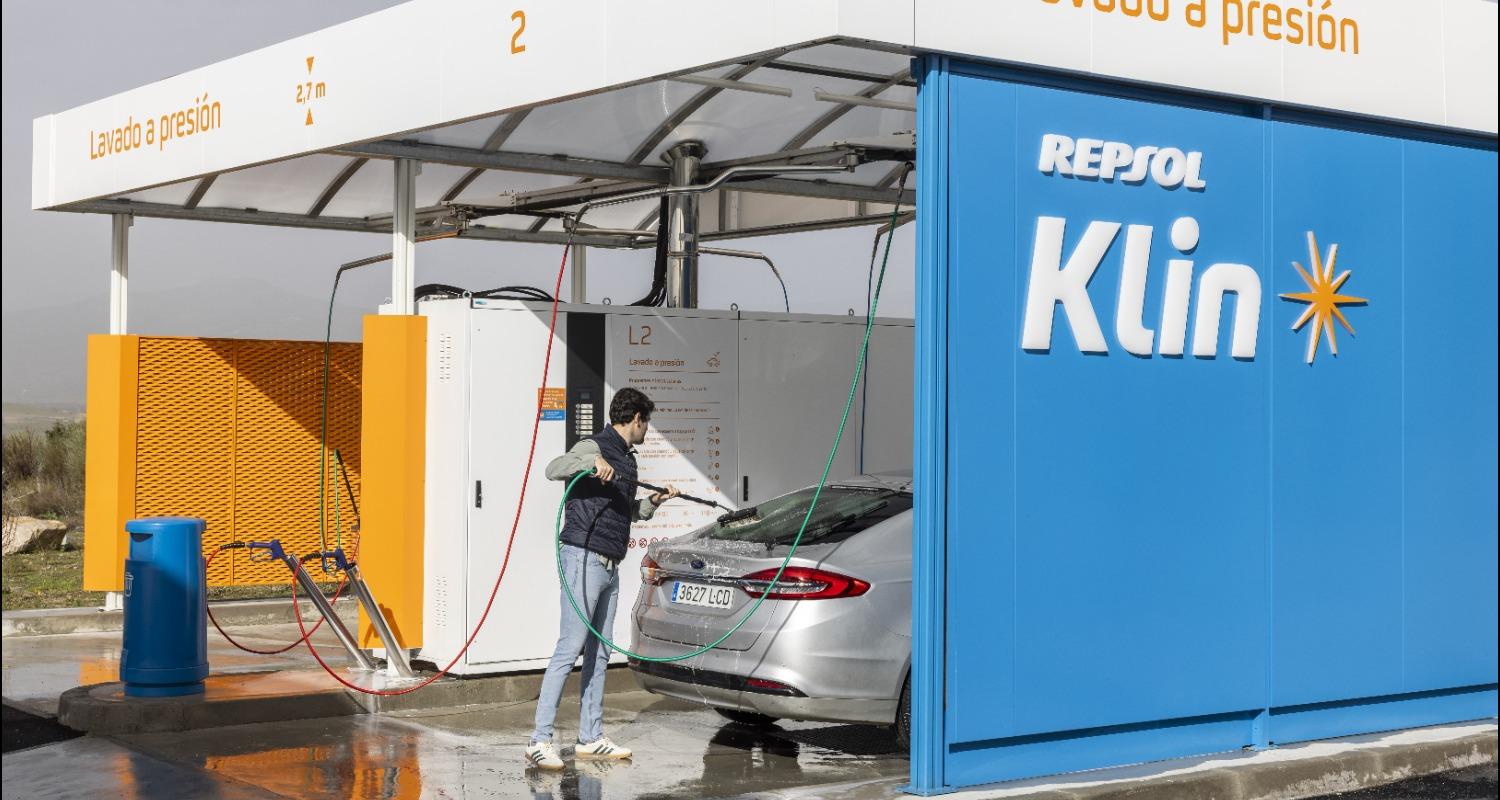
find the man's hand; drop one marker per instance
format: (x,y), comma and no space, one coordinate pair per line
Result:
(602,470)
(661,497)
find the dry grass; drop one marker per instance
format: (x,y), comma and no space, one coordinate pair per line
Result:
(52,580)
(42,473)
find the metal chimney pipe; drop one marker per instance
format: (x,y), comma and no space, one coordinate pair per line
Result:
(681,226)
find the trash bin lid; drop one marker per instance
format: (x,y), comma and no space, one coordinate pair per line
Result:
(167,525)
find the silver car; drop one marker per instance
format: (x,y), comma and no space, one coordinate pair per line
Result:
(831,642)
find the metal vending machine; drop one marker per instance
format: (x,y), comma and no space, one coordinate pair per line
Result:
(746,406)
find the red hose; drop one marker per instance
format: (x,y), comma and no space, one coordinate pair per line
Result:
(336,593)
(515,525)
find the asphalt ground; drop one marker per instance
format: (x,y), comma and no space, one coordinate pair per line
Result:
(682,749)
(20,730)
(1469,783)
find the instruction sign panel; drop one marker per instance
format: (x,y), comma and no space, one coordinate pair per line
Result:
(552,403)
(688,366)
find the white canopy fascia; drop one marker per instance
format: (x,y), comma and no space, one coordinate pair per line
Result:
(357,89)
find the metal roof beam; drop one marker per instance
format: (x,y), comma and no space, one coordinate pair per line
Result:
(835,72)
(248,216)
(679,115)
(200,190)
(879,83)
(495,142)
(509,161)
(326,196)
(803,227)
(561,196)
(831,116)
(543,237)
(825,190)
(687,109)
(810,155)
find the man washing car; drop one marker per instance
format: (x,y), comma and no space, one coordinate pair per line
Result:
(595,536)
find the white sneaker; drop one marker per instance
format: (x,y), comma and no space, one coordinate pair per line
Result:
(543,755)
(602,748)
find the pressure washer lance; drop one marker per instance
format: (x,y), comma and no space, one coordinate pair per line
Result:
(730,516)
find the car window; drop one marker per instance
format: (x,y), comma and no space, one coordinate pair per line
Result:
(842,511)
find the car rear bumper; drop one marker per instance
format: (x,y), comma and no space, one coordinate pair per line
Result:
(723,690)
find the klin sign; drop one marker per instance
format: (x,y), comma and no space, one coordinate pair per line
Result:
(1054,283)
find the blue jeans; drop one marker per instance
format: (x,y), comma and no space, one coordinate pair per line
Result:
(596,588)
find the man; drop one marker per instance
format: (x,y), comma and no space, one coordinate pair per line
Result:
(595,534)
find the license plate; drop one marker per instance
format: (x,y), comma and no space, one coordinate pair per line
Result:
(699,594)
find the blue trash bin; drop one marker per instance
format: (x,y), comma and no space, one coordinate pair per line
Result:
(166,639)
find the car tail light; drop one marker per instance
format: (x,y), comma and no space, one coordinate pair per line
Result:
(650,571)
(761,684)
(802,583)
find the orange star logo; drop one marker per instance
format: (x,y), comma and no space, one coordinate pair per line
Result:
(1323,300)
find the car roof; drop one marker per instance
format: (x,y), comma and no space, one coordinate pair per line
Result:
(899,480)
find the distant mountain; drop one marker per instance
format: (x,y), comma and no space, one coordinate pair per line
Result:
(44,346)
(22,417)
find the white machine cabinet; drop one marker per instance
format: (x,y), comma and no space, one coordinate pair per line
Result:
(746,408)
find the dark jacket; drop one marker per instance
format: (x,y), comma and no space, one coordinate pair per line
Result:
(599,514)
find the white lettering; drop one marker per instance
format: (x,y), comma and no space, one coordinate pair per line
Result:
(1050,285)
(1216,281)
(1051,282)
(1174,306)
(1141,165)
(1055,152)
(1085,161)
(1134,337)
(1170,167)
(1116,155)
(1194,166)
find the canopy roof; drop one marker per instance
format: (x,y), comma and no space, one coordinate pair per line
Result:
(534,109)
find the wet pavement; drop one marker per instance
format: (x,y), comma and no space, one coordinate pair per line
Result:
(37,669)
(1470,783)
(682,750)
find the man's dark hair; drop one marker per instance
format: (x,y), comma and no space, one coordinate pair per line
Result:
(627,403)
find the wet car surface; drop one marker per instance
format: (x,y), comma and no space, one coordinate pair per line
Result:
(830,641)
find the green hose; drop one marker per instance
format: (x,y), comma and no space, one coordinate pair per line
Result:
(859,369)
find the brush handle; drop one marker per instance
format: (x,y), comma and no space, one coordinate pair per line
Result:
(661,489)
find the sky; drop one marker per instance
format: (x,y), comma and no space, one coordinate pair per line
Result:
(215,279)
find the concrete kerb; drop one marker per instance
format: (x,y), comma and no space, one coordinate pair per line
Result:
(304,694)
(98,709)
(230,613)
(1298,771)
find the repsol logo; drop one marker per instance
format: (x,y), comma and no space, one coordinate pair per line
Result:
(1169,167)
(1055,283)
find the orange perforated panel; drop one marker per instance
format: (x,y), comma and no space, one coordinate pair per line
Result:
(184,440)
(278,416)
(228,430)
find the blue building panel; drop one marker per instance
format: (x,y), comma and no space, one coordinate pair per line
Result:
(1336,432)
(1449,503)
(984,670)
(1138,591)
(1171,525)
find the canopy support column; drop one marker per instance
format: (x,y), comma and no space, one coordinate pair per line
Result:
(119,277)
(119,272)
(681,226)
(404,237)
(579,292)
